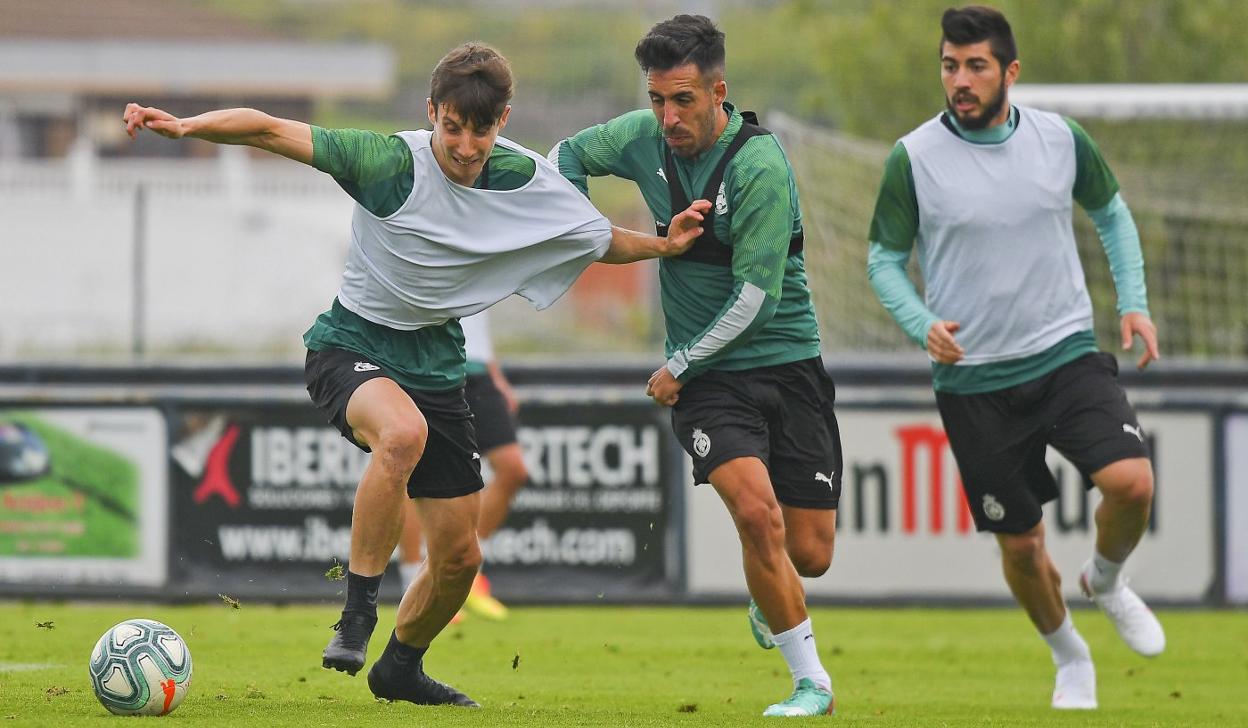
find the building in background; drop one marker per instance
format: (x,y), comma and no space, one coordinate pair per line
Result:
(157,248)
(111,247)
(68,67)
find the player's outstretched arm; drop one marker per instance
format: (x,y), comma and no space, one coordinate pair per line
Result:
(1139,324)
(248,127)
(628,246)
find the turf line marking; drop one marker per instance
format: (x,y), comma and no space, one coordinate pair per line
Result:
(27,666)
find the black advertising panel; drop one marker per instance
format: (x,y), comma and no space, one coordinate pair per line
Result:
(597,519)
(262,501)
(262,498)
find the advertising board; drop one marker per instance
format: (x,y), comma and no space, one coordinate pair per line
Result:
(904,529)
(83,497)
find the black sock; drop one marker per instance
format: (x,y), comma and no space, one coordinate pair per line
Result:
(362,593)
(405,656)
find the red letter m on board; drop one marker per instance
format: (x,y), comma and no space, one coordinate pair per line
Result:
(936,442)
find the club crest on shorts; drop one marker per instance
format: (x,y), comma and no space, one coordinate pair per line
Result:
(993,508)
(701,443)
(363,366)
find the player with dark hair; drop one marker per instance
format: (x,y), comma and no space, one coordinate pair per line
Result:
(984,193)
(447,222)
(751,400)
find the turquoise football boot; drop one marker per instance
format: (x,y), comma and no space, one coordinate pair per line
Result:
(808,699)
(758,625)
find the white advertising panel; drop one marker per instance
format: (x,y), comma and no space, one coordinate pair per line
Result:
(83,497)
(905,532)
(1237,508)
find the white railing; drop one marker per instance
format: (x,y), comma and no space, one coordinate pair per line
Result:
(231,173)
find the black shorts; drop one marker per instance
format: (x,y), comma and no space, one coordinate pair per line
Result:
(999,438)
(451,464)
(780,414)
(490,416)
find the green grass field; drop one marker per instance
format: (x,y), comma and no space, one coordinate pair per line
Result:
(611,666)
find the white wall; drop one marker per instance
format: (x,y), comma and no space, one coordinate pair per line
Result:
(241,255)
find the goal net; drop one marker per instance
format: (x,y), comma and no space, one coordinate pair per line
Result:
(1178,152)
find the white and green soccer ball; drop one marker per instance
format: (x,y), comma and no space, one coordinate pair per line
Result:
(140,667)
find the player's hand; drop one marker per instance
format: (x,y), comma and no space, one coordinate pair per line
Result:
(685,228)
(663,388)
(941,345)
(153,119)
(1138,324)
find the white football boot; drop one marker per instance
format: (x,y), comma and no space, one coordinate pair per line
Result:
(1075,687)
(1135,622)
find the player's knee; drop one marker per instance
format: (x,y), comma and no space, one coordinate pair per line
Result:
(1023,550)
(759,523)
(812,563)
(1126,483)
(1136,489)
(401,443)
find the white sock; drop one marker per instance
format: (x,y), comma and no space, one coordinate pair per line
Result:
(409,570)
(798,647)
(1067,644)
(1103,576)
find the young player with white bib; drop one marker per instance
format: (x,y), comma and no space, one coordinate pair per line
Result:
(446,223)
(984,194)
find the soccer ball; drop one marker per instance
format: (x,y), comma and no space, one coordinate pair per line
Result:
(140,667)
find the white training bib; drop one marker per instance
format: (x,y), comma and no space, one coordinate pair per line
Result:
(996,242)
(451,251)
